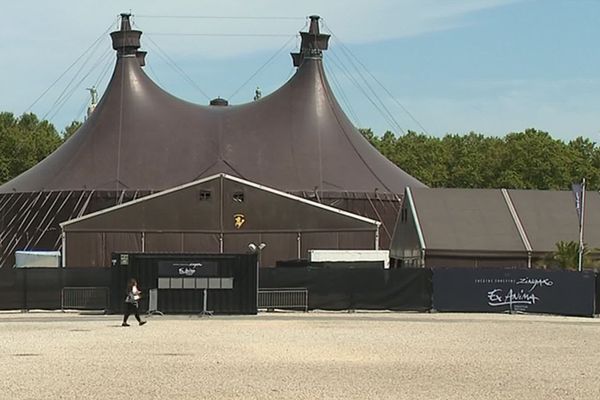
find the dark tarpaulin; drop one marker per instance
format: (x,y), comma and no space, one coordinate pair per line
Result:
(597,293)
(40,288)
(355,288)
(11,290)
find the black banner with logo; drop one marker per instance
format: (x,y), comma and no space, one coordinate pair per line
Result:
(187,268)
(506,290)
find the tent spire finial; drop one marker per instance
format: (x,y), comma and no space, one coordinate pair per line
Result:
(313,42)
(125,21)
(126,41)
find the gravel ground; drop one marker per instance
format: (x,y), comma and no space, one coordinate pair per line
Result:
(300,356)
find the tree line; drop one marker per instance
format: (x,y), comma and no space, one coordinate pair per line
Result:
(27,140)
(521,160)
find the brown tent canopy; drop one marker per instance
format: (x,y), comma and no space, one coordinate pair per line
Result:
(141,138)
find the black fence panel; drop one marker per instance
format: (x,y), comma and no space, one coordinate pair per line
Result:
(148,268)
(506,290)
(86,277)
(11,290)
(42,287)
(355,288)
(597,293)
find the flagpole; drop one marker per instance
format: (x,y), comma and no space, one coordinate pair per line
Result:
(581,219)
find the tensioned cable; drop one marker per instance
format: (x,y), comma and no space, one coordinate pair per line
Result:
(98,62)
(101,76)
(383,87)
(62,98)
(217,17)
(75,87)
(330,102)
(81,113)
(341,92)
(104,71)
(344,47)
(346,53)
(174,65)
(71,66)
(220,34)
(263,66)
(374,93)
(341,65)
(154,75)
(351,77)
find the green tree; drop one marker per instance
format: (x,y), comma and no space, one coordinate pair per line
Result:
(24,141)
(70,129)
(423,157)
(536,159)
(521,160)
(566,256)
(473,160)
(370,136)
(584,161)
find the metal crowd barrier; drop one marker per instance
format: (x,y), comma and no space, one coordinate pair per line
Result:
(293,298)
(84,298)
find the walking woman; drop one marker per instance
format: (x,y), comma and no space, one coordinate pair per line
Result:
(131,302)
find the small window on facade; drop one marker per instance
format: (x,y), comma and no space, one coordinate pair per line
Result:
(238,197)
(204,195)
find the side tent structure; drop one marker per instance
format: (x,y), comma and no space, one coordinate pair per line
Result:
(218,214)
(489,227)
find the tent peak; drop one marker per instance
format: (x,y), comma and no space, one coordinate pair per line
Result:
(314,25)
(313,43)
(125,22)
(126,41)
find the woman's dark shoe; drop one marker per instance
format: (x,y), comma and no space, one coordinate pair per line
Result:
(142,322)
(124,324)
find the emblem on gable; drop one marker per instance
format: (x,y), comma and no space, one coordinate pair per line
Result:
(238,220)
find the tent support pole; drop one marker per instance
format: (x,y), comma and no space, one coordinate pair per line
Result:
(64,249)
